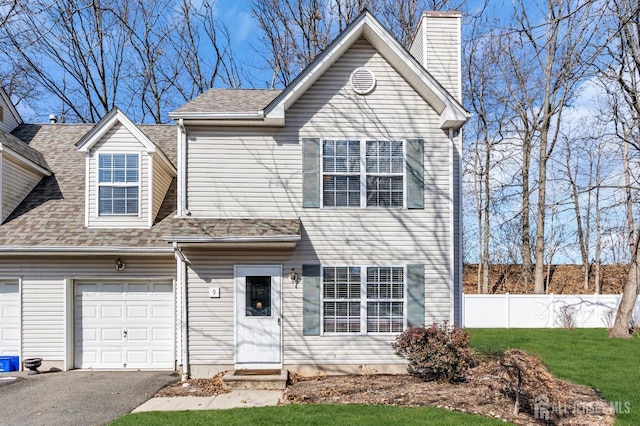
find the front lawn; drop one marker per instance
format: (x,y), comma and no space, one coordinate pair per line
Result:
(308,415)
(583,356)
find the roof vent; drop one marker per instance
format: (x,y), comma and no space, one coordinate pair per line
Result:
(53,119)
(362,81)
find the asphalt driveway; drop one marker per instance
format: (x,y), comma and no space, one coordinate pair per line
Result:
(76,397)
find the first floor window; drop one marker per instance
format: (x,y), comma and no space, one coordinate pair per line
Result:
(385,300)
(363,300)
(118,184)
(342,292)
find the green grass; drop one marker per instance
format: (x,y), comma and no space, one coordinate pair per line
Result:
(583,356)
(308,415)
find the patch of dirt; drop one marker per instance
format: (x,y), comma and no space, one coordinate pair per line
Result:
(195,387)
(479,395)
(583,407)
(564,279)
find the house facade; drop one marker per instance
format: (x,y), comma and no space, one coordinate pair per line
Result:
(300,229)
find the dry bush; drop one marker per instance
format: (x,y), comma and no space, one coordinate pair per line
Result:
(439,352)
(526,380)
(567,317)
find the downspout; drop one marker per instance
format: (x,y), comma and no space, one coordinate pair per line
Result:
(182,171)
(181,271)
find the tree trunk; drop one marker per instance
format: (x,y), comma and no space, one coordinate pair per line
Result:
(622,323)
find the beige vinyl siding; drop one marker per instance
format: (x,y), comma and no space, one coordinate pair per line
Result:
(8,121)
(44,293)
(442,52)
(257,173)
(161,182)
(118,140)
(417,45)
(17,181)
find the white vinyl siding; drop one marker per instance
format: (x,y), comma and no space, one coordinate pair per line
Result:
(44,293)
(119,140)
(442,52)
(161,182)
(8,121)
(17,182)
(257,172)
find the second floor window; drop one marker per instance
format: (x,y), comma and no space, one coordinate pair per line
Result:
(118,184)
(362,173)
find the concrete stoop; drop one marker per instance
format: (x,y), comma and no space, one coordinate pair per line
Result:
(256,379)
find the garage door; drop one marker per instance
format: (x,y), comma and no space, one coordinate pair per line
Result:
(9,319)
(124,325)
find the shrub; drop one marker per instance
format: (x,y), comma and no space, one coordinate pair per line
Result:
(439,352)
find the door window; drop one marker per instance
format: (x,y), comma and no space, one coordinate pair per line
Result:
(258,296)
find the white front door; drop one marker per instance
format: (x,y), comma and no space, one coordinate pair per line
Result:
(258,316)
(124,325)
(9,318)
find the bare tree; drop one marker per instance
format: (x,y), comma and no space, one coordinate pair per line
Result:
(623,71)
(93,55)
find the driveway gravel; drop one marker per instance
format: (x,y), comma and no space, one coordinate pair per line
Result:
(76,397)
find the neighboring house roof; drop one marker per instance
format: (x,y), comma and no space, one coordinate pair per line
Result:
(228,100)
(193,230)
(52,215)
(8,141)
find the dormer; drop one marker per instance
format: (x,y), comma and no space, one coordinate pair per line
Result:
(127,176)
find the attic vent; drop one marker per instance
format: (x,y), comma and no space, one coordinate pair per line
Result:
(362,81)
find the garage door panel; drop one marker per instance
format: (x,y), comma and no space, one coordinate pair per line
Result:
(137,311)
(133,324)
(9,318)
(111,312)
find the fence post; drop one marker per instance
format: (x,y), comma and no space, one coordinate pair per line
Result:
(551,312)
(507,310)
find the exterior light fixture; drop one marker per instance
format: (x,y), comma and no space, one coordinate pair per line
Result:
(119,265)
(293,276)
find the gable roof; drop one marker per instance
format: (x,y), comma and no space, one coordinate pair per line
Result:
(214,106)
(452,113)
(93,136)
(12,107)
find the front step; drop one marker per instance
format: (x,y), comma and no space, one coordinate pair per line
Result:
(256,379)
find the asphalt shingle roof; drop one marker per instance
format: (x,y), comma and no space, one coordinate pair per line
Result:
(10,141)
(230,100)
(52,215)
(239,228)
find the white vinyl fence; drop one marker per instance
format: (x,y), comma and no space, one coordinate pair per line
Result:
(540,310)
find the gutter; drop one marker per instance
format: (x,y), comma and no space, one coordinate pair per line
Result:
(181,273)
(182,170)
(255,115)
(274,239)
(35,250)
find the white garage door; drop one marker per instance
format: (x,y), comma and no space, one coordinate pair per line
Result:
(9,319)
(124,325)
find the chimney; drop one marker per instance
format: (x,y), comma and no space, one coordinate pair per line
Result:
(437,45)
(53,119)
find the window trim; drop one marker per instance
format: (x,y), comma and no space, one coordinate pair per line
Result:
(363,301)
(118,184)
(363,173)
